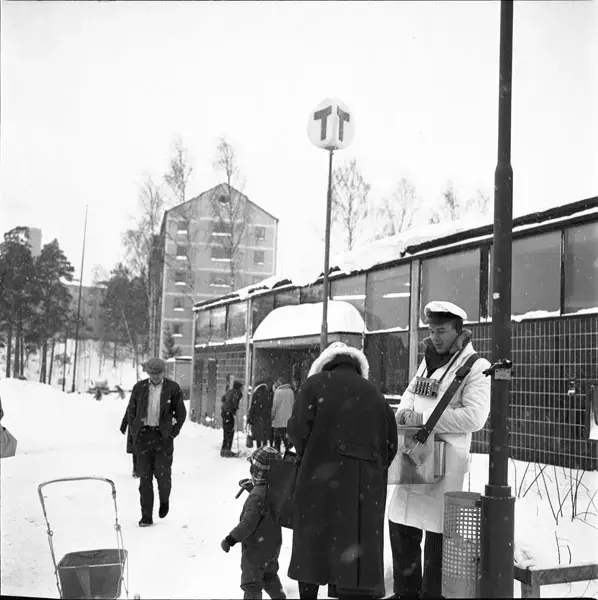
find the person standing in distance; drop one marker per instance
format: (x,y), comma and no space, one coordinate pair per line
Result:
(155,415)
(416,508)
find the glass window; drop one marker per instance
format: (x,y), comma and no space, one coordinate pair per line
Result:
(260,234)
(260,307)
(202,326)
(220,280)
(219,253)
(536,274)
(312,293)
(180,278)
(218,324)
(220,228)
(179,303)
(177,329)
(387,298)
(286,298)
(351,290)
(181,251)
(388,356)
(235,322)
(581,267)
(259,257)
(454,278)
(182,226)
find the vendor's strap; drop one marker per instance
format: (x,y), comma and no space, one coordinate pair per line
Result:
(462,372)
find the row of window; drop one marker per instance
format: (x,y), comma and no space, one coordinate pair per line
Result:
(221,253)
(219,279)
(220,228)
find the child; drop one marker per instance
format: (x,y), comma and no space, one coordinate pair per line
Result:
(260,537)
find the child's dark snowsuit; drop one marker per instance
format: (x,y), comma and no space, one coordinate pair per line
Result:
(261,540)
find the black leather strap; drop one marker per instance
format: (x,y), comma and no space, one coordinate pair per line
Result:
(462,372)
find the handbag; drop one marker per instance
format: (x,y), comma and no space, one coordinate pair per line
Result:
(280,492)
(8,443)
(421,457)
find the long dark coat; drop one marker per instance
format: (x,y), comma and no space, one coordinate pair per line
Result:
(260,413)
(346,437)
(125,425)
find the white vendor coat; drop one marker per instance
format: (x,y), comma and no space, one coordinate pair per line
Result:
(422,505)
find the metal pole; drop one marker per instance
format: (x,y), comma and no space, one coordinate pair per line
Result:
(79,303)
(498,506)
(324,331)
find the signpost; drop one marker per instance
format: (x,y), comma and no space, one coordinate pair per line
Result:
(331,127)
(498,506)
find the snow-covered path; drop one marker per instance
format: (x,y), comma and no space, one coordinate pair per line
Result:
(65,435)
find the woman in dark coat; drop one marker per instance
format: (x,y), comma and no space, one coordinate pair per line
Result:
(346,437)
(130,448)
(259,417)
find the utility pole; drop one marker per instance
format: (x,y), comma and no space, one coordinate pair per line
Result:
(498,506)
(79,303)
(324,330)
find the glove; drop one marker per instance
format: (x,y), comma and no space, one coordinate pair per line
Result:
(411,418)
(246,484)
(228,542)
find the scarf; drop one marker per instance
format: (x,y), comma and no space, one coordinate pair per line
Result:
(434,360)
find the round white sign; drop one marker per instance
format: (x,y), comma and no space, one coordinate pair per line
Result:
(331,125)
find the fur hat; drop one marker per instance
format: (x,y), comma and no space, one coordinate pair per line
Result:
(340,349)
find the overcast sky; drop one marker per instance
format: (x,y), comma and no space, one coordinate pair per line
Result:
(93,95)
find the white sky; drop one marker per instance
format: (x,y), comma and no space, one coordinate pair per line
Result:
(94,93)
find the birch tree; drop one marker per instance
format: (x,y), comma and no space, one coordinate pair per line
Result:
(396,213)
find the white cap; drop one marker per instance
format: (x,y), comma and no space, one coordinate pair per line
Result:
(440,306)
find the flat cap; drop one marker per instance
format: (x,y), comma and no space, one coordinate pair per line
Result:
(154,365)
(446,310)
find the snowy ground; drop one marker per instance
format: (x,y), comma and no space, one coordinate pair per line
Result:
(64,435)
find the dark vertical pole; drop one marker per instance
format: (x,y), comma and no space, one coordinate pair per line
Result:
(66,339)
(79,304)
(498,506)
(324,331)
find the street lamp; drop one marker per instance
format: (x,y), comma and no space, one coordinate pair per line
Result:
(331,127)
(498,506)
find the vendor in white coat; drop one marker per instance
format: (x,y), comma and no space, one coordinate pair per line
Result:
(419,507)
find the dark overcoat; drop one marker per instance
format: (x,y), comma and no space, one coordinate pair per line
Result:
(172,409)
(260,413)
(125,425)
(346,437)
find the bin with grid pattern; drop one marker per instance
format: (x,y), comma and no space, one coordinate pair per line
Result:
(461,545)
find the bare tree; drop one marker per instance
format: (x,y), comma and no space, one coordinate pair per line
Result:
(395,213)
(479,203)
(179,171)
(140,247)
(231,211)
(450,209)
(349,201)
(185,237)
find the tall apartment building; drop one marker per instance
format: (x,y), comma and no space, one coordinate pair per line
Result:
(208,246)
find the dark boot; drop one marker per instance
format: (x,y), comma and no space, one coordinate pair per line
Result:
(146,522)
(163,510)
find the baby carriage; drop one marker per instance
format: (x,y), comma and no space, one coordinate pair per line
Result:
(89,573)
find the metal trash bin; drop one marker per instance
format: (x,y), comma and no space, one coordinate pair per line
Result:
(461,545)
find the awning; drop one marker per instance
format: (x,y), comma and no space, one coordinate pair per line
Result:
(301,324)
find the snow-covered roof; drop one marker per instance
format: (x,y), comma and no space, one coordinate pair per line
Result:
(404,244)
(301,320)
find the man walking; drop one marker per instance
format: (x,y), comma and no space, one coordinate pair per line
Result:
(155,415)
